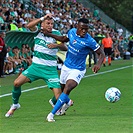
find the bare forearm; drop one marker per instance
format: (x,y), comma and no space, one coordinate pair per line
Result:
(59,38)
(33,23)
(62,47)
(101,58)
(101,54)
(36,21)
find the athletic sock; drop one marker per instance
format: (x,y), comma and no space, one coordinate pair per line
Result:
(104,61)
(54,100)
(62,99)
(109,60)
(70,102)
(16,92)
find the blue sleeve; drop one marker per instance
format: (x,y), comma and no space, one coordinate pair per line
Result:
(93,44)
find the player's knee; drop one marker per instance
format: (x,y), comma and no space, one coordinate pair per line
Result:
(57,93)
(67,91)
(57,96)
(16,83)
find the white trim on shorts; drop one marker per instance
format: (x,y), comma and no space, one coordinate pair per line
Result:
(67,73)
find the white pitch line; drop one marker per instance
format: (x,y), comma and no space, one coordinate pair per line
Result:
(31,89)
(39,87)
(107,71)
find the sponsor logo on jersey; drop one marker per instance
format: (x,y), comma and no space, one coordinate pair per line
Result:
(82,42)
(74,48)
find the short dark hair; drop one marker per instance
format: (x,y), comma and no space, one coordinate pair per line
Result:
(83,20)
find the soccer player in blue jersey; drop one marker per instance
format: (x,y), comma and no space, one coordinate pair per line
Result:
(74,68)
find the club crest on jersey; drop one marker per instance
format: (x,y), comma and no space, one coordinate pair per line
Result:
(74,42)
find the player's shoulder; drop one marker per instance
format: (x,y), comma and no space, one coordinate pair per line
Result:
(73,30)
(88,35)
(90,39)
(57,32)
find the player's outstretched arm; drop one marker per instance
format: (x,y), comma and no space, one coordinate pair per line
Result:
(56,37)
(101,54)
(61,46)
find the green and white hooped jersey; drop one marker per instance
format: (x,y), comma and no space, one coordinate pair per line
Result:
(42,54)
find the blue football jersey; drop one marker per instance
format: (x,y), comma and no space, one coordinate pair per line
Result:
(78,49)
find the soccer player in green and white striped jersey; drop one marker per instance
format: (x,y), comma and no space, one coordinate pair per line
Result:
(44,62)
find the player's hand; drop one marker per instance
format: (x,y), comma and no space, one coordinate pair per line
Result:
(50,15)
(52,45)
(96,68)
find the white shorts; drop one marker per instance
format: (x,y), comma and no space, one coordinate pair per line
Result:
(67,73)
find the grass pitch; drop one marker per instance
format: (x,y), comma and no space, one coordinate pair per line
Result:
(91,113)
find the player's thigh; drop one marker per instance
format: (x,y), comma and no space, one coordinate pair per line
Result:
(32,73)
(21,80)
(67,73)
(70,85)
(106,51)
(76,75)
(109,51)
(52,78)
(64,74)
(57,92)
